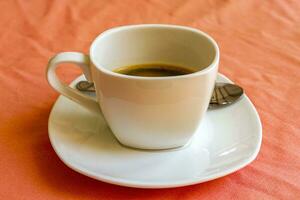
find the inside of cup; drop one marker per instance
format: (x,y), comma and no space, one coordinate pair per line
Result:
(127,46)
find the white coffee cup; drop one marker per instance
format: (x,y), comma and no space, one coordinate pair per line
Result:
(146,112)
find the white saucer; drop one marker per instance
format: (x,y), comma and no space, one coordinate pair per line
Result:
(228,139)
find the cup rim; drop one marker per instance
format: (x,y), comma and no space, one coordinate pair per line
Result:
(207,69)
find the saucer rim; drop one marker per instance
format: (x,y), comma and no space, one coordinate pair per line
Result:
(156,185)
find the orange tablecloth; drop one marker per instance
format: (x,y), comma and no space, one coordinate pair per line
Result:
(260,50)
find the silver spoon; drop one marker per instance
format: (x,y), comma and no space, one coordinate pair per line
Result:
(223,94)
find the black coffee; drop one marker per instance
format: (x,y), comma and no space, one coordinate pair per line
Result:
(154,70)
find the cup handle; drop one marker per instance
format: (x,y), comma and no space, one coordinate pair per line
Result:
(83,61)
